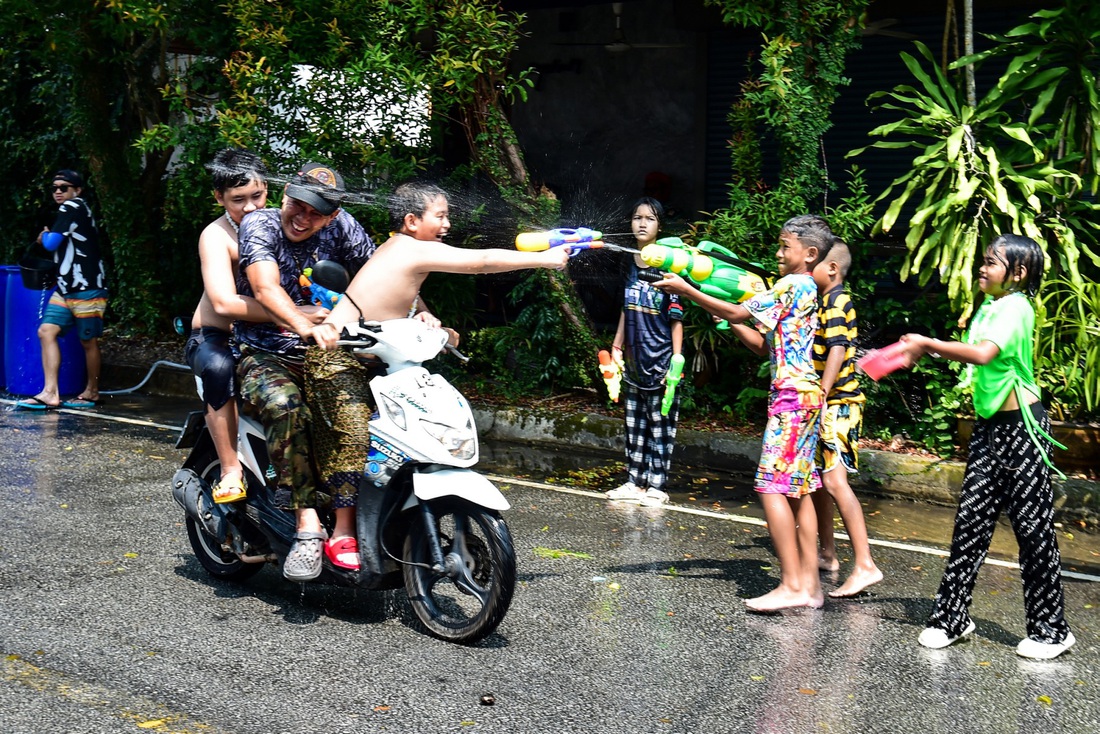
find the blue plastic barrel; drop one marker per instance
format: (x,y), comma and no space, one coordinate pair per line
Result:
(23,309)
(5,270)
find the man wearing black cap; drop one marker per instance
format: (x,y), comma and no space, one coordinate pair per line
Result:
(81,295)
(276,245)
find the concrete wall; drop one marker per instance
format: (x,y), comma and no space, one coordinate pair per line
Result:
(600,120)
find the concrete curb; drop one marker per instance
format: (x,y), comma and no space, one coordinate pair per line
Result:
(881,472)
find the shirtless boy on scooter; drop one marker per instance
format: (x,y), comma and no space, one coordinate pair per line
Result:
(386,287)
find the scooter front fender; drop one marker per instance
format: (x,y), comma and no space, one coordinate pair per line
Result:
(463,483)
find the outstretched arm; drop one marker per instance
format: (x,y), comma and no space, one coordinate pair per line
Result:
(917,345)
(437,258)
(731,312)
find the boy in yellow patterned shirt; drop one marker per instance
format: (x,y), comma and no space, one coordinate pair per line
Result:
(837,446)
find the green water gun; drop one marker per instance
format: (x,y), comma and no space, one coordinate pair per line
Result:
(711,268)
(672,380)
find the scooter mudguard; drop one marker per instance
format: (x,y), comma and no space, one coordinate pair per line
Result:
(195,498)
(463,483)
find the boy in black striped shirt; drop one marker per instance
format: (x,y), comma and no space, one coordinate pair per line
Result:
(837,447)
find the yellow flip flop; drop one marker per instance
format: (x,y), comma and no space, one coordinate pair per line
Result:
(229,490)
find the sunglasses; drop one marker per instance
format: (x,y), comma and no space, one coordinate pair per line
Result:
(63,188)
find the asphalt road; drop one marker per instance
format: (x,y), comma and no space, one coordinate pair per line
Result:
(625,620)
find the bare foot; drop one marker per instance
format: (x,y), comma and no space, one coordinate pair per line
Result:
(860,579)
(781,598)
(50,399)
(827,564)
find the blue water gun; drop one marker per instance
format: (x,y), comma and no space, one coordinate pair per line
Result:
(318,294)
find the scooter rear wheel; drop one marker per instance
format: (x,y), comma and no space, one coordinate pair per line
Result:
(465,606)
(208,551)
(217,562)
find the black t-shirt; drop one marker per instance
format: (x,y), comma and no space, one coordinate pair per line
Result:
(648,314)
(261,238)
(79,266)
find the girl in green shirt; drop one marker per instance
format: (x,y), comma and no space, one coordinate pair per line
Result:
(1008,466)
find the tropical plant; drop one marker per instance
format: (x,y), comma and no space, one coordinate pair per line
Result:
(981,171)
(1067,353)
(1053,67)
(791,93)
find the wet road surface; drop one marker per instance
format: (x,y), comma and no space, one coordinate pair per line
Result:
(626,619)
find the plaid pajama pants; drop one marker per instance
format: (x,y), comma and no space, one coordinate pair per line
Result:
(1005,471)
(650,436)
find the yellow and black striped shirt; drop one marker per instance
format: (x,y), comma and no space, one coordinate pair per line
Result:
(837,327)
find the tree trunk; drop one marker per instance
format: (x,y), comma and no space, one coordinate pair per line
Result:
(128,192)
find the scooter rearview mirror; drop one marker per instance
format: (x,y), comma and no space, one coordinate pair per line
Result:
(332,275)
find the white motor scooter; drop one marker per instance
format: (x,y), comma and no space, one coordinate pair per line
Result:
(424,516)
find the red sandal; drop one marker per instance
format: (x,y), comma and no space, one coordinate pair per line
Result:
(343,553)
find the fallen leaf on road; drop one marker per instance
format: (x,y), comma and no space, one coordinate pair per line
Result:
(559,553)
(1045,700)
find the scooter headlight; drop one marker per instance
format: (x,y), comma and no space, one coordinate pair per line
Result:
(458,442)
(393,411)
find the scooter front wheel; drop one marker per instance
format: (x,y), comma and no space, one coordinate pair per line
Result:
(467,601)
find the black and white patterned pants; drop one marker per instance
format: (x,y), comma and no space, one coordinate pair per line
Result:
(650,436)
(1005,471)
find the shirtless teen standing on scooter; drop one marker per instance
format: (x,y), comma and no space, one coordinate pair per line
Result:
(386,288)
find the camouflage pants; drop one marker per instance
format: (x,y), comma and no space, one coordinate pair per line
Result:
(271,387)
(337,392)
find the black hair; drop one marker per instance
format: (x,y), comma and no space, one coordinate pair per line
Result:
(812,231)
(235,167)
(841,254)
(655,206)
(412,198)
(1017,251)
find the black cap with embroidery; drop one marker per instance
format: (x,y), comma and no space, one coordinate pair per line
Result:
(318,185)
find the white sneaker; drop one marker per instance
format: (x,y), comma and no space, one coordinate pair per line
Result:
(1029,648)
(936,639)
(654,498)
(628,492)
